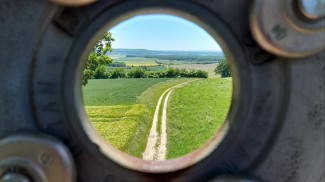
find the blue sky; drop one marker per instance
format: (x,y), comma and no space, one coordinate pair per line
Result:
(161,32)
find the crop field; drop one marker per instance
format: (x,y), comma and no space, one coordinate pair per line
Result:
(195,112)
(137,61)
(206,67)
(116,124)
(122,109)
(123,91)
(157,68)
(142,61)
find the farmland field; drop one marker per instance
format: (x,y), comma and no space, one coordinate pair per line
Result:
(142,61)
(121,109)
(123,91)
(137,61)
(206,67)
(195,112)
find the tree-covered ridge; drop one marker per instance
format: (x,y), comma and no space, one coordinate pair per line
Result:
(190,58)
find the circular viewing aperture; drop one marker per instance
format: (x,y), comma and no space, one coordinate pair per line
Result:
(157,87)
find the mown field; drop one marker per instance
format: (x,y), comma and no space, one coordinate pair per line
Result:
(122,109)
(195,112)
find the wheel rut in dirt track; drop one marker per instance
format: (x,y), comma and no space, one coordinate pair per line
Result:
(157,149)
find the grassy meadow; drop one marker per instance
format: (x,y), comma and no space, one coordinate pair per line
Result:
(112,107)
(122,109)
(195,112)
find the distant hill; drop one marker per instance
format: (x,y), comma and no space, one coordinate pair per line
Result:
(142,52)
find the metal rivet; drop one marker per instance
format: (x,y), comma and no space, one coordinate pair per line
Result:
(46,159)
(278,32)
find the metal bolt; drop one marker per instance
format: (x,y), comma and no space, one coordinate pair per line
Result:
(14,177)
(234,178)
(278,32)
(46,159)
(313,9)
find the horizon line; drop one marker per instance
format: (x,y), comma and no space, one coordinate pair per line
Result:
(167,50)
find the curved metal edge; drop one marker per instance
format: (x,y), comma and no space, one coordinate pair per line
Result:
(73,2)
(38,156)
(275,40)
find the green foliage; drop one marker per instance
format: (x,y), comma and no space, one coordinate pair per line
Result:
(172,72)
(101,72)
(117,73)
(136,72)
(201,74)
(98,57)
(223,68)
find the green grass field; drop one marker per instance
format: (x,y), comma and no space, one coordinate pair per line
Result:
(116,124)
(122,109)
(149,98)
(122,91)
(195,112)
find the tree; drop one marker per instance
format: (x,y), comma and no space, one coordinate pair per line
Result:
(117,73)
(136,72)
(223,68)
(101,72)
(172,72)
(202,74)
(98,57)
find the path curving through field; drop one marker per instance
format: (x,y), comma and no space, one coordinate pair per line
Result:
(157,150)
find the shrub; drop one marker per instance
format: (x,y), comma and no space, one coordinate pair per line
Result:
(153,74)
(201,74)
(183,72)
(117,73)
(101,72)
(136,73)
(191,73)
(172,72)
(223,68)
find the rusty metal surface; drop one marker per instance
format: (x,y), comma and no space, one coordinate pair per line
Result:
(73,2)
(38,158)
(281,28)
(276,123)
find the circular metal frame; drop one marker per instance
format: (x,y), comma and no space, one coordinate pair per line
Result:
(79,56)
(280,28)
(57,105)
(38,158)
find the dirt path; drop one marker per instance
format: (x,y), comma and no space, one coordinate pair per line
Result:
(153,152)
(150,152)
